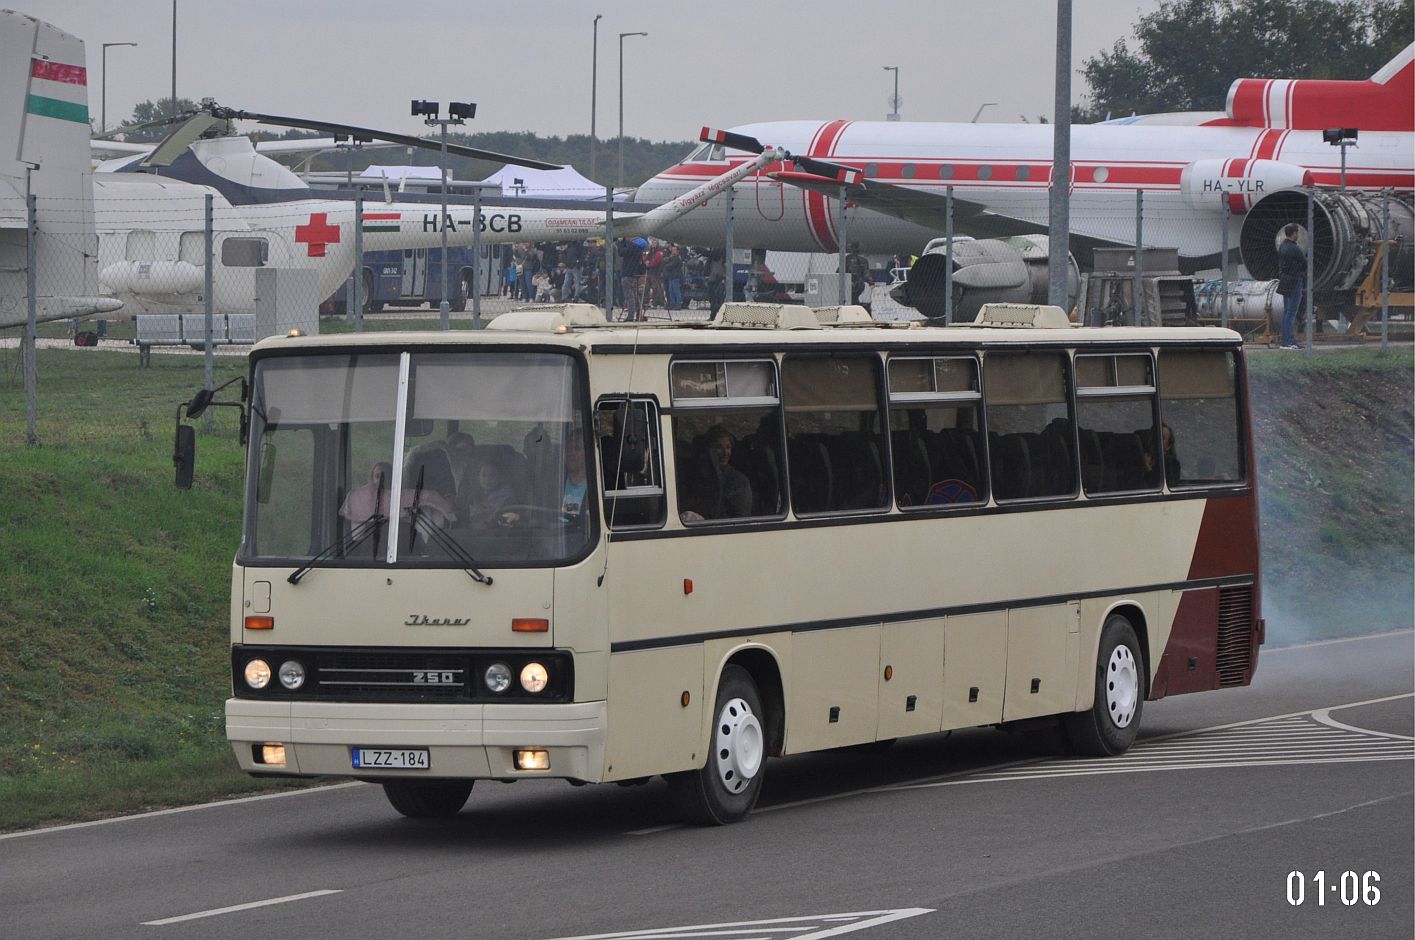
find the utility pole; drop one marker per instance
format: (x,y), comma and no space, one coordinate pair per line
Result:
(458,112)
(1059,206)
(594,92)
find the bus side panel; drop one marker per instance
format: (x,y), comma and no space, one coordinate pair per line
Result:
(834,692)
(1041,661)
(650,729)
(974,669)
(911,673)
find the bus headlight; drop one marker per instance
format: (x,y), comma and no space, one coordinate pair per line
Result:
(292,674)
(498,677)
(534,678)
(257,673)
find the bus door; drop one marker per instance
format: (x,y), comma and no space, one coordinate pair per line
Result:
(414,272)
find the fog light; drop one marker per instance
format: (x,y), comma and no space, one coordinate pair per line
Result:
(498,677)
(534,677)
(257,674)
(532,760)
(292,674)
(272,754)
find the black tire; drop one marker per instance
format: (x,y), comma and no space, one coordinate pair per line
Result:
(726,787)
(428,799)
(1109,726)
(370,305)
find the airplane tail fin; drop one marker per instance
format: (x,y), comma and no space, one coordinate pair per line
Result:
(44,111)
(1384,102)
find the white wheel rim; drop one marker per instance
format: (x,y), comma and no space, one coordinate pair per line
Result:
(1122,686)
(739,745)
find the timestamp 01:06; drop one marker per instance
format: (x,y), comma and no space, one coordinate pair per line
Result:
(1350,887)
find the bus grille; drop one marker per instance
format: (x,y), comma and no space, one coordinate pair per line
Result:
(1235,635)
(391,676)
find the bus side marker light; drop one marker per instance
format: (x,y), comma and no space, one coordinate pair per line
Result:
(532,760)
(254,622)
(687,586)
(530,625)
(685,698)
(888,673)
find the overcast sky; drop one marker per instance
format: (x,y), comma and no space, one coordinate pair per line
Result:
(528,65)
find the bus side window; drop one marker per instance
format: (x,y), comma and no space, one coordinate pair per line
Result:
(934,406)
(834,433)
(1030,448)
(1117,421)
(1199,408)
(631,463)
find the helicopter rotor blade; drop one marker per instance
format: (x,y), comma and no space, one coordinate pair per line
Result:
(832,171)
(366,133)
(177,142)
(731,140)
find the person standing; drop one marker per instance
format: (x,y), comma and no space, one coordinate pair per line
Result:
(631,266)
(1291,282)
(858,267)
(673,269)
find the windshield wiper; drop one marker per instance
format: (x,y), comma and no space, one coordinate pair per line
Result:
(448,544)
(350,541)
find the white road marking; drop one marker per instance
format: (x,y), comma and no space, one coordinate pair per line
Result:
(815,927)
(239,907)
(175,810)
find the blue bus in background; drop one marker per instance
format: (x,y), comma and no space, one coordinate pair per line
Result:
(410,277)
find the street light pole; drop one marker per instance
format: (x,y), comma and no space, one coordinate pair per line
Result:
(594,92)
(457,113)
(620,179)
(103,112)
(894,102)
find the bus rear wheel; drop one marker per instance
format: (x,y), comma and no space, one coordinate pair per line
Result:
(1109,726)
(428,799)
(726,787)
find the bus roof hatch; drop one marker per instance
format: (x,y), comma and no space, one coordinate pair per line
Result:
(765,317)
(1030,316)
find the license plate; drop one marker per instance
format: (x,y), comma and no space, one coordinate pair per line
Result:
(390,758)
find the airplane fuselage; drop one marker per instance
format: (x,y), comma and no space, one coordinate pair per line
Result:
(1188,174)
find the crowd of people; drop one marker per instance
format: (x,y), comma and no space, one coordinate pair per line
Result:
(648,273)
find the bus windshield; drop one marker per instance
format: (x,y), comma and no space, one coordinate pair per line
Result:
(482,451)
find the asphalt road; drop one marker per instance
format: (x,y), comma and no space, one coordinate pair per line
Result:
(1196,832)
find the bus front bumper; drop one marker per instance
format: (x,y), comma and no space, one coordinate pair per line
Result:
(462,741)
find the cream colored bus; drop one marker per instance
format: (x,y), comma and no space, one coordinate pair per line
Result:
(631,550)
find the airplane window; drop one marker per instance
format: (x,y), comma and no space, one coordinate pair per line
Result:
(872,170)
(908,171)
(244,252)
(699,155)
(191,248)
(945,172)
(1100,174)
(1024,172)
(984,172)
(141,245)
(717,153)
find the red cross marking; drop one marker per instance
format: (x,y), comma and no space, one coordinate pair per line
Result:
(317,234)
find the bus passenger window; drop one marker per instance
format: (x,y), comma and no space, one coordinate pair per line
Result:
(631,463)
(834,433)
(1117,423)
(1030,448)
(1199,408)
(727,451)
(934,418)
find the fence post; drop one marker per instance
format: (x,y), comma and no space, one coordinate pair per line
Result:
(357,303)
(27,345)
(1385,271)
(1139,288)
(844,288)
(727,265)
(475,286)
(607,287)
(948,249)
(1311,244)
(209,364)
(1223,259)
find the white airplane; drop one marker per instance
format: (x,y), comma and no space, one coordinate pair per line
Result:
(1193,168)
(44,152)
(126,235)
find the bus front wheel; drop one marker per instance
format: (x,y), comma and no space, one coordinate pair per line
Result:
(428,799)
(726,787)
(1109,726)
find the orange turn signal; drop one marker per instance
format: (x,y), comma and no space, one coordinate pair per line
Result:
(687,585)
(530,625)
(260,623)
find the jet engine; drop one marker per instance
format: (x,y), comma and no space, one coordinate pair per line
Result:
(994,270)
(1347,228)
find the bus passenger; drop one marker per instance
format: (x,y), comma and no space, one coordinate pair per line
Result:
(364,502)
(721,491)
